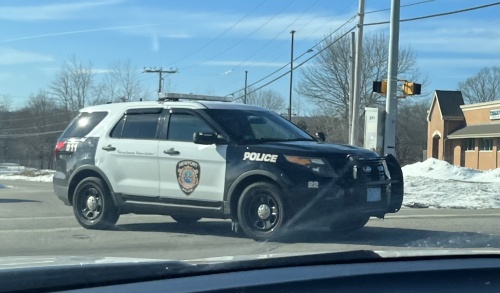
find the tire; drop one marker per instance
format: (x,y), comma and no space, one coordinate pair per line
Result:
(266,198)
(349,225)
(186,219)
(93,206)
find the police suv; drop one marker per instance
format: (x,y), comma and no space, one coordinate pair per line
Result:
(191,157)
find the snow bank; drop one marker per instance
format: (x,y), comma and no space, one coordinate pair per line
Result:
(37,175)
(438,184)
(437,169)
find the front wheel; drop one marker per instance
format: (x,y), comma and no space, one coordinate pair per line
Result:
(349,225)
(93,206)
(186,219)
(261,211)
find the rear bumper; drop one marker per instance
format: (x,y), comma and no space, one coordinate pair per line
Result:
(61,190)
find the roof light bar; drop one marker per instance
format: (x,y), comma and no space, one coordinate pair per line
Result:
(177,97)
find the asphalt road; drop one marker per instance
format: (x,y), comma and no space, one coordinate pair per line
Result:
(34,222)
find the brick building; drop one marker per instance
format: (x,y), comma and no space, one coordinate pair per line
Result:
(463,135)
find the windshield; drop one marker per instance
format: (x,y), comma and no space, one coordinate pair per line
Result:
(219,128)
(250,126)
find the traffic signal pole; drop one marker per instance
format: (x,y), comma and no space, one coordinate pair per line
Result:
(351,86)
(357,76)
(392,81)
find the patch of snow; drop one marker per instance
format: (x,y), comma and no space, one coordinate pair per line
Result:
(37,176)
(437,169)
(438,184)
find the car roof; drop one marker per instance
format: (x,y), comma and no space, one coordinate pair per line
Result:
(112,107)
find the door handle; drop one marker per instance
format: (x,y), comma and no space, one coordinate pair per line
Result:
(171,151)
(108,148)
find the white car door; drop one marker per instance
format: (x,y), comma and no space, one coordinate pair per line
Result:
(128,153)
(190,171)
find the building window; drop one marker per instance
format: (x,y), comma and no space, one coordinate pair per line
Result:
(486,144)
(469,144)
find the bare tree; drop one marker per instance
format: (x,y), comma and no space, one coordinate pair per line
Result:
(5,108)
(123,82)
(482,87)
(5,103)
(73,83)
(326,82)
(42,107)
(411,131)
(269,99)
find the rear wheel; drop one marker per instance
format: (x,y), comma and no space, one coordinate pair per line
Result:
(93,206)
(261,211)
(349,225)
(186,219)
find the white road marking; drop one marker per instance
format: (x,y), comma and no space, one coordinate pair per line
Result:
(443,216)
(71,217)
(41,230)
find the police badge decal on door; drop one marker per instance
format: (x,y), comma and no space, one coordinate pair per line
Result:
(188,175)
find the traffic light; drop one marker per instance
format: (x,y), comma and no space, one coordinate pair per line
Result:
(380,87)
(412,88)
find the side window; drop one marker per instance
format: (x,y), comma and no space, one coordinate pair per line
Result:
(137,126)
(182,126)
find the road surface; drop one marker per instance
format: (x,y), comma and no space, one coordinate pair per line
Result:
(34,222)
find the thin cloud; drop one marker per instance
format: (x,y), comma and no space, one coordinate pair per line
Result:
(49,12)
(10,56)
(155,46)
(247,63)
(84,31)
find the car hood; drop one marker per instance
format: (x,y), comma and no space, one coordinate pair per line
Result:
(32,262)
(316,147)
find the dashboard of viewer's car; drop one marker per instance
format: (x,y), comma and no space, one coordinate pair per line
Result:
(462,273)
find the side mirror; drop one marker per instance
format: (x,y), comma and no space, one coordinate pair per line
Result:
(320,136)
(204,138)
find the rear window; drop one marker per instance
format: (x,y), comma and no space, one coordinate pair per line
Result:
(84,123)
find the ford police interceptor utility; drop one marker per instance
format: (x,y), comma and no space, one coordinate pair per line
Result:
(212,159)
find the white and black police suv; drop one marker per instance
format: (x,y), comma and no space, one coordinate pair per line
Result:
(212,159)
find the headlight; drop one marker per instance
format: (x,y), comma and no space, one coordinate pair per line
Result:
(316,165)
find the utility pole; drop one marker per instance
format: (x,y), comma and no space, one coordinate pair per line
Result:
(160,72)
(351,87)
(291,82)
(392,81)
(357,76)
(246,77)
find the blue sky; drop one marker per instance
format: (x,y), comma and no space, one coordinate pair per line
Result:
(36,37)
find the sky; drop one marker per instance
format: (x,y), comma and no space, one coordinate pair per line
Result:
(213,43)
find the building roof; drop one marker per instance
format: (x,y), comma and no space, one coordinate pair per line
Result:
(450,102)
(477,131)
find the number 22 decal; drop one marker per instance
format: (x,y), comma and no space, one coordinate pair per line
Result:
(312,184)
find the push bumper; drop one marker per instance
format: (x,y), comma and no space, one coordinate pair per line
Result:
(335,202)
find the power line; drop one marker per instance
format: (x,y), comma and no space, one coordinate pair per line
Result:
(30,134)
(307,60)
(411,4)
(277,35)
(436,15)
(31,118)
(237,43)
(38,126)
(218,36)
(308,51)
(306,24)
